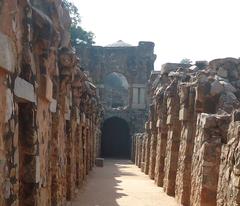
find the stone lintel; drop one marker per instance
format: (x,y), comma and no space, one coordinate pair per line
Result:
(24,90)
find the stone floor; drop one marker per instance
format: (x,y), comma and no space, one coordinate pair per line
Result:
(121,183)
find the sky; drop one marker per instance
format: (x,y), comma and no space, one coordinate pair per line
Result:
(193,29)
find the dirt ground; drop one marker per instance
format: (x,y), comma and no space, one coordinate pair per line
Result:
(121,183)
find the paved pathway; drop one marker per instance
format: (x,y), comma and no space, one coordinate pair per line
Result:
(120,183)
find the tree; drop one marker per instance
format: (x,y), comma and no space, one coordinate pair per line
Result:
(78,34)
(185,61)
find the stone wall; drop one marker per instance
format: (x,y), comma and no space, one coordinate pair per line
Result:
(50,115)
(197,130)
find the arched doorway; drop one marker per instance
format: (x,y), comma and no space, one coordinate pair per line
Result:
(116,141)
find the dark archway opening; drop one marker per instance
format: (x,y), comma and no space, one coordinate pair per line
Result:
(116,141)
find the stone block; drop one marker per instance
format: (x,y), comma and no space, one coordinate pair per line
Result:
(67,109)
(208,120)
(7,54)
(78,116)
(10,105)
(236,180)
(83,117)
(53,106)
(170,119)
(216,88)
(150,125)
(183,114)
(46,87)
(222,72)
(146,125)
(99,162)
(68,115)
(24,90)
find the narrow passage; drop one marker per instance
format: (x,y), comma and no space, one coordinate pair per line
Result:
(121,183)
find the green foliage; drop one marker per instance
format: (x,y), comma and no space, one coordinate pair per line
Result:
(78,34)
(185,61)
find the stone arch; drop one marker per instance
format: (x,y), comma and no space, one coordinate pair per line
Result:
(121,71)
(116,138)
(116,90)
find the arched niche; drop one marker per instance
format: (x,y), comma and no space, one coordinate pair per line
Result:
(115,90)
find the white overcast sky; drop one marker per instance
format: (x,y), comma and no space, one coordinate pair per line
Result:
(194,29)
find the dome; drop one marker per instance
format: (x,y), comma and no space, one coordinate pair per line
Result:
(119,43)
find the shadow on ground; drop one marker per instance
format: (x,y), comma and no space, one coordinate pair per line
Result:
(102,185)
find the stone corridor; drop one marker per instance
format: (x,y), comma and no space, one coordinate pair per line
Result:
(121,183)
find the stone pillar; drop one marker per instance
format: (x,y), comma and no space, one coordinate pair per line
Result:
(81,148)
(29,162)
(161,141)
(133,149)
(160,158)
(77,147)
(153,147)
(143,152)
(173,141)
(211,130)
(135,140)
(147,149)
(140,145)
(229,176)
(187,116)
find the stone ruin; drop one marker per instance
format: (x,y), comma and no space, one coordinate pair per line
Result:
(50,112)
(135,63)
(190,146)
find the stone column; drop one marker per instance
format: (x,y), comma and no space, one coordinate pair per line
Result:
(139,150)
(135,140)
(173,141)
(153,147)
(161,141)
(29,162)
(228,192)
(187,116)
(206,158)
(147,149)
(143,152)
